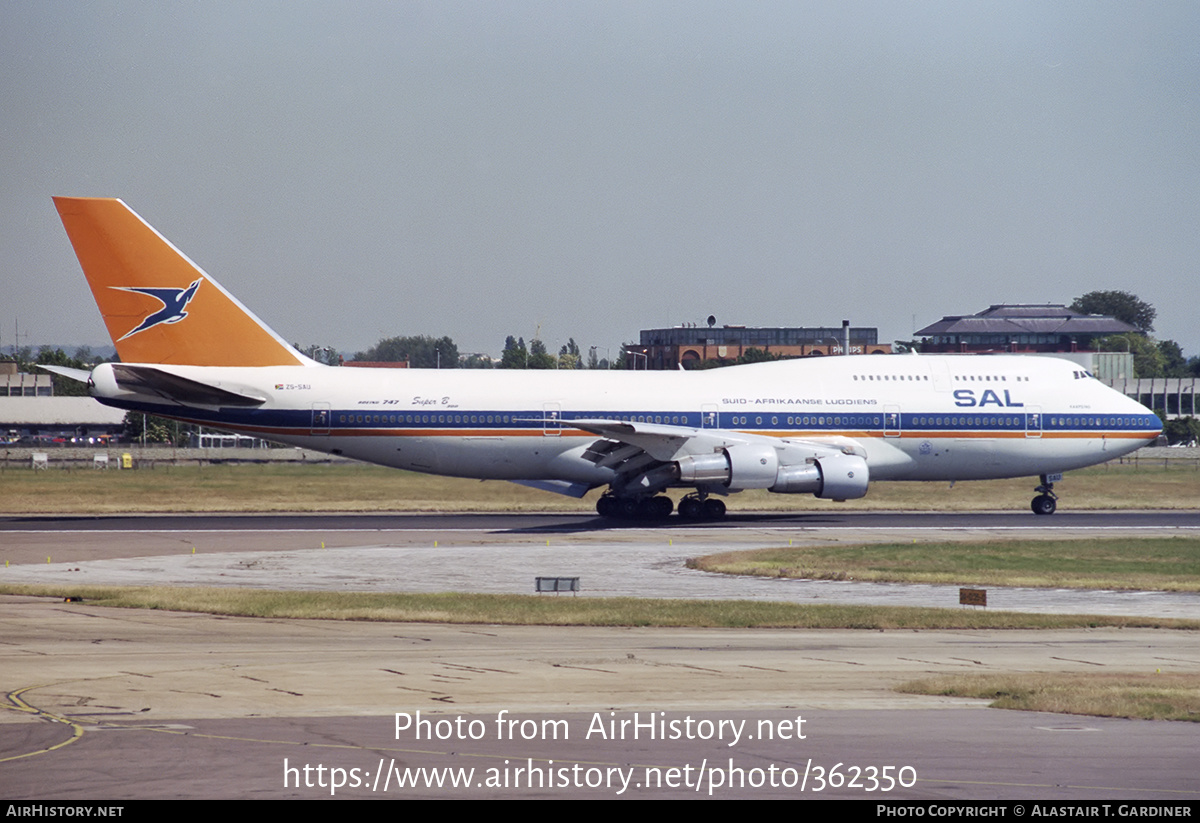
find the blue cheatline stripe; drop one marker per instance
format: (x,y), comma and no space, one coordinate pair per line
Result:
(302,421)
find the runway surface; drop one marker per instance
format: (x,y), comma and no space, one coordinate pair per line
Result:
(110,704)
(1066,521)
(504,553)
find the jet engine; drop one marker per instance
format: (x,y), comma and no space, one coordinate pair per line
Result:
(837,476)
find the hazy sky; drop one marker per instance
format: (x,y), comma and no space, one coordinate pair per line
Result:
(359,170)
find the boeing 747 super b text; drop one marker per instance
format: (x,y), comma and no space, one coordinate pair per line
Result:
(825,426)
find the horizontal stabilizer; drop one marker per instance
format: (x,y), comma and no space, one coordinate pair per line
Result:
(80,375)
(182,390)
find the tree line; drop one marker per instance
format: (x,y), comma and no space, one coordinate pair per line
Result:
(1151,357)
(426,352)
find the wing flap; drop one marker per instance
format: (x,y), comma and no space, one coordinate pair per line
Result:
(660,441)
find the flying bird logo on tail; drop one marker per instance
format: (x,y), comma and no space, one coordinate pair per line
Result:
(174,302)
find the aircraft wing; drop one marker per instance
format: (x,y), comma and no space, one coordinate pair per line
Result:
(652,456)
(666,442)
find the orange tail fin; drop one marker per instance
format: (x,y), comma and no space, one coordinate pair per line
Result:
(159,306)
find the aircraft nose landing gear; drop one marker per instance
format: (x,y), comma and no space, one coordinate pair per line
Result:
(1046,501)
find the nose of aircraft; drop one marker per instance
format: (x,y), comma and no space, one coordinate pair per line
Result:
(1152,424)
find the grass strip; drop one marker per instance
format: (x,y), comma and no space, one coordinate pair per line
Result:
(1138,696)
(547,610)
(1144,564)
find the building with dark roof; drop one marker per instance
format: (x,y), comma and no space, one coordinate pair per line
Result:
(1019,328)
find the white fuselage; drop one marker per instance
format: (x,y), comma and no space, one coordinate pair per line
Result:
(914,417)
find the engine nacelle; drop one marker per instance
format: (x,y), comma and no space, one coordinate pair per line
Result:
(804,478)
(750,466)
(843,477)
(704,469)
(754,466)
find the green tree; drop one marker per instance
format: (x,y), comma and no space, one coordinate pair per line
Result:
(147,427)
(753,355)
(621,361)
(87,357)
(322,354)
(23,357)
(421,352)
(1119,304)
(1174,363)
(515,355)
(476,361)
(63,386)
(539,358)
(569,356)
(1148,360)
(1182,430)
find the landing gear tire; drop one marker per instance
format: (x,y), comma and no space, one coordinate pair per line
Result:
(635,508)
(691,508)
(1046,501)
(1043,504)
(712,509)
(608,506)
(655,508)
(628,507)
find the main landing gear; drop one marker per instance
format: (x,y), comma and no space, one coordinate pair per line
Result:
(1046,501)
(659,507)
(635,508)
(695,507)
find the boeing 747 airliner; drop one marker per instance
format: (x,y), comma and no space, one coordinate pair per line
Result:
(822,426)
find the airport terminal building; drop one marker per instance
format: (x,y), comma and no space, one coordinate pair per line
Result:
(1040,327)
(31,413)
